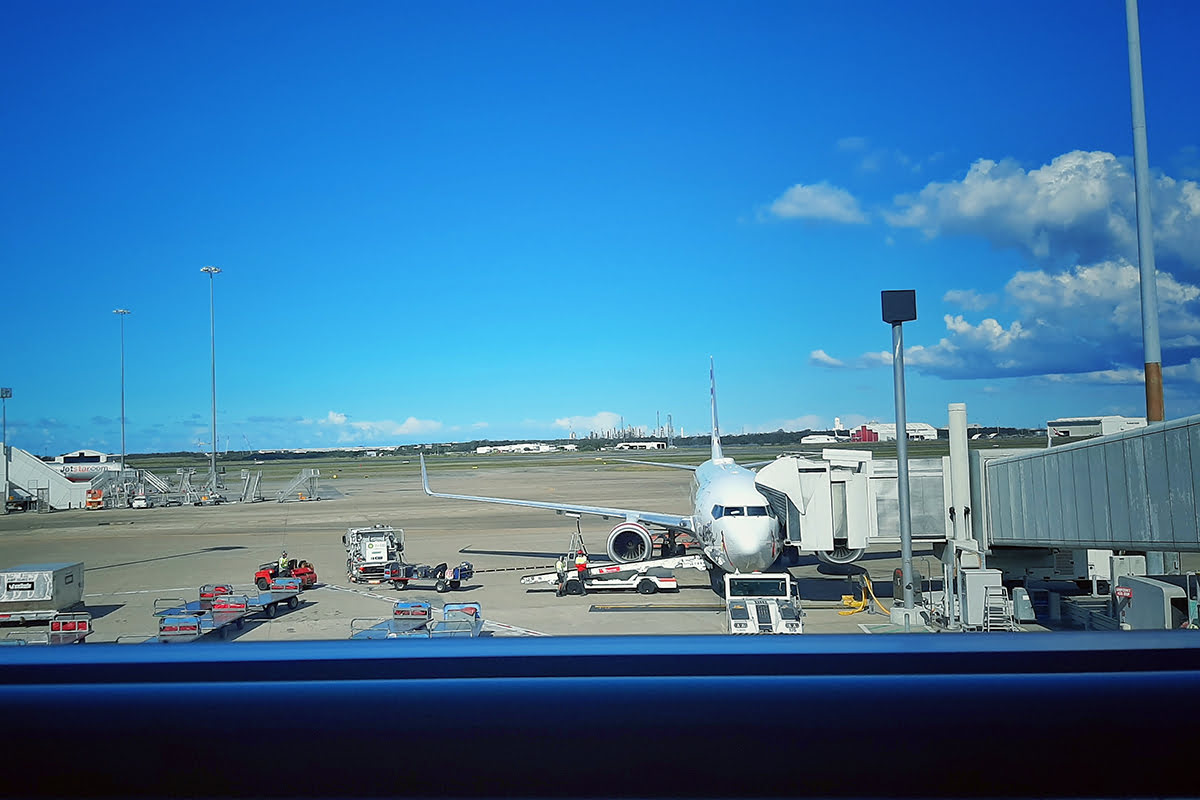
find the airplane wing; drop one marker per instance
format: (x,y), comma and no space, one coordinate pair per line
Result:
(654,518)
(691,467)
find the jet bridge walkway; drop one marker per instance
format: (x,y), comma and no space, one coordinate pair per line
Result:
(1137,490)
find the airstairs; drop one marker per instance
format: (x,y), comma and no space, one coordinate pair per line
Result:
(188,493)
(154,482)
(251,486)
(996,616)
(303,486)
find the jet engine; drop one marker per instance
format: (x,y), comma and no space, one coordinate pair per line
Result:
(841,554)
(630,541)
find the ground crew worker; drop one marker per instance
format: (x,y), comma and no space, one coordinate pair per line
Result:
(560,567)
(283,562)
(581,569)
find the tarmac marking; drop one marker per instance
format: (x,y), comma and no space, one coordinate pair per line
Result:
(140,591)
(503,626)
(674,607)
(488,624)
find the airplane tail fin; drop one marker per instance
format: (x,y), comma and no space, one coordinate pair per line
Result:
(716,431)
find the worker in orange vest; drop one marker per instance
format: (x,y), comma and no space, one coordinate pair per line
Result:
(581,569)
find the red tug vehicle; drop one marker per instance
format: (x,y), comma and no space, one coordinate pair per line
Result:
(295,569)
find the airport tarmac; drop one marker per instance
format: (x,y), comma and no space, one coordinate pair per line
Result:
(134,556)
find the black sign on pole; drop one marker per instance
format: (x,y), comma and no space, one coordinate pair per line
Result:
(899,306)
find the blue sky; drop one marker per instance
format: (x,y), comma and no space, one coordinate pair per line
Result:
(513,220)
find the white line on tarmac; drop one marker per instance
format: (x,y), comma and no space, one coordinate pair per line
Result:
(140,591)
(490,623)
(487,623)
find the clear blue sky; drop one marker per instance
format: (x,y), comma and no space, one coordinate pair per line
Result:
(450,221)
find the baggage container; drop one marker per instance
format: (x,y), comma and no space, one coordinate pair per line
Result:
(38,591)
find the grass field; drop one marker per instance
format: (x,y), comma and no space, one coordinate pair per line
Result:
(335,466)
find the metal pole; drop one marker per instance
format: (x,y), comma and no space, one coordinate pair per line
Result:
(212,339)
(122,313)
(4,395)
(1145,226)
(902,466)
(1157,562)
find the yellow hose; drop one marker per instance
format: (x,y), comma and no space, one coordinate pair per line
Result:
(857,605)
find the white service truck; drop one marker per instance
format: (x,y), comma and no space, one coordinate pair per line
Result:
(761,602)
(48,597)
(373,554)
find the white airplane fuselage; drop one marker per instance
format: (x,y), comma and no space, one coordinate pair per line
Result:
(732,519)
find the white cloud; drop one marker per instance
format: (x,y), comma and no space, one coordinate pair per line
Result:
(822,359)
(1122,376)
(1081,322)
(1079,207)
(852,143)
(1189,372)
(367,431)
(819,201)
(807,422)
(969,299)
(604,421)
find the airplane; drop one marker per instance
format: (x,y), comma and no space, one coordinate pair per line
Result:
(734,523)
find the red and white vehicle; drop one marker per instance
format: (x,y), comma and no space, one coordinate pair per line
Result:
(647,577)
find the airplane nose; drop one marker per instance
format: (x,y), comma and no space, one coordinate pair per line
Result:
(749,543)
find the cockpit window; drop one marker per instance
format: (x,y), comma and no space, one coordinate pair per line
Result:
(741,511)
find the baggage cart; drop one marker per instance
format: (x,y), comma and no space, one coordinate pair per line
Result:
(414,620)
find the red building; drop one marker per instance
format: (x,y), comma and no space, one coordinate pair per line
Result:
(863,434)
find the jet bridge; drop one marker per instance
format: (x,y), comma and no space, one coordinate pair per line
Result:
(1137,490)
(844,501)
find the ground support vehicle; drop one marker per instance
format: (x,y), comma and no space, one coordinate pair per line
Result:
(280,591)
(373,554)
(19,500)
(58,627)
(414,620)
(647,577)
(762,602)
(296,568)
(445,578)
(36,592)
(219,607)
(189,621)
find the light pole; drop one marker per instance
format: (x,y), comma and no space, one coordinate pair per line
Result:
(212,339)
(5,393)
(900,307)
(122,313)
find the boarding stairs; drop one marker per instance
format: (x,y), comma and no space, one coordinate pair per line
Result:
(251,486)
(996,610)
(188,493)
(154,482)
(302,487)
